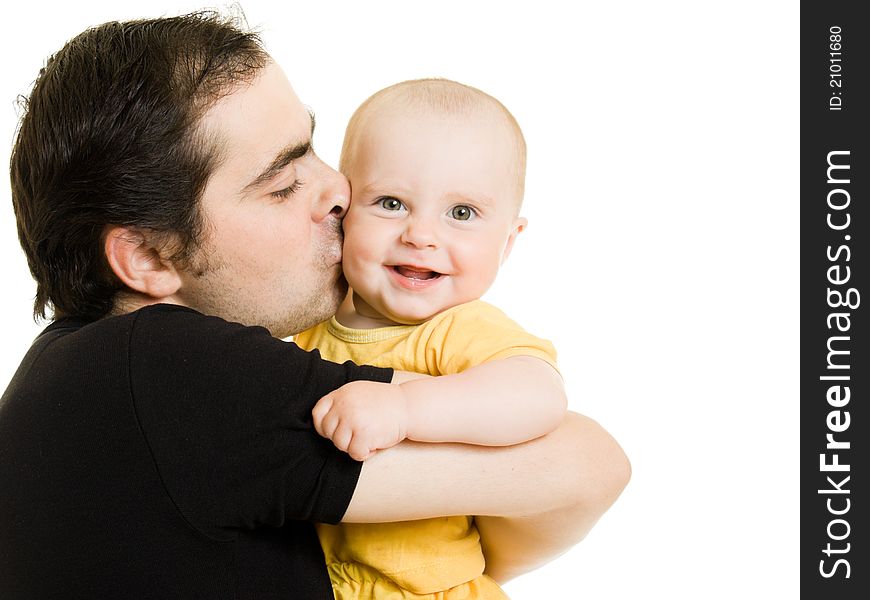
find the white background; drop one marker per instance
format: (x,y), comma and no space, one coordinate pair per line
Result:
(661,256)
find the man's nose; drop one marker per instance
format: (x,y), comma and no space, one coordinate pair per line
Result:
(334,197)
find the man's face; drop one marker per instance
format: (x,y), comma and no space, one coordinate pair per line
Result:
(271,250)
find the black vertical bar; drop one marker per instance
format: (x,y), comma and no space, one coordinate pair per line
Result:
(834,371)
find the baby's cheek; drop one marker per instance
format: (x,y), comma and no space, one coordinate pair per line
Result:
(354,267)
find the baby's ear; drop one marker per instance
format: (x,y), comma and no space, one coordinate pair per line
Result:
(519,225)
(137,262)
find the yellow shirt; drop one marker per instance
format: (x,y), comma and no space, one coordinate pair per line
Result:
(437,559)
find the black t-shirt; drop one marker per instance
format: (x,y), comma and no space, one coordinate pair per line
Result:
(166,454)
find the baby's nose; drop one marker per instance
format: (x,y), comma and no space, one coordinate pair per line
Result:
(420,233)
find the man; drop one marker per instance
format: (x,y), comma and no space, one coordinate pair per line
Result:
(157,440)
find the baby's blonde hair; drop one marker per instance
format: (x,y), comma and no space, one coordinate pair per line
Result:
(442,96)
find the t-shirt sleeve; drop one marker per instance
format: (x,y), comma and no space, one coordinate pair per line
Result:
(226,412)
(475,333)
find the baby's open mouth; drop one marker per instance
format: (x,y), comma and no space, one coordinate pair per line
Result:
(415,273)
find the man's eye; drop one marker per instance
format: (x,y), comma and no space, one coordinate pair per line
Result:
(462,212)
(390,203)
(289,190)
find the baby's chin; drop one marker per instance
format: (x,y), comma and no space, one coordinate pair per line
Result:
(416,315)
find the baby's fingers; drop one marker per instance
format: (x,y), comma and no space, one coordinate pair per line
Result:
(342,437)
(358,449)
(319,414)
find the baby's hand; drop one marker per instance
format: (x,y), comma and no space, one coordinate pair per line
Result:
(362,417)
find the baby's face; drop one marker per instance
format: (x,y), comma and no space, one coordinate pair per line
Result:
(432,216)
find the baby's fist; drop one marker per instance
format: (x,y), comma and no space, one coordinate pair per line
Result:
(362,417)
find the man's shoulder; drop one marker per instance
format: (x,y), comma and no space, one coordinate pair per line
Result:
(162,316)
(157,315)
(161,324)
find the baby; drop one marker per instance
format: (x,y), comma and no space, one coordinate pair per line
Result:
(437,174)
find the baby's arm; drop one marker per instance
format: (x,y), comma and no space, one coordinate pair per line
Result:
(497,403)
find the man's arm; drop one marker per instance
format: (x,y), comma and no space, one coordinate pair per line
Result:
(533,500)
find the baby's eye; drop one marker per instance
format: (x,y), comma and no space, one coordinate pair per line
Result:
(390,203)
(462,212)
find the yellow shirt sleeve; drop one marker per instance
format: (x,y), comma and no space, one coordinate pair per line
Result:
(475,333)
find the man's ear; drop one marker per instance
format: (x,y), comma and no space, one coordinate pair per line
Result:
(137,261)
(519,225)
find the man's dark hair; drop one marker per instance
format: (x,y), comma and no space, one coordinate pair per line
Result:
(109,137)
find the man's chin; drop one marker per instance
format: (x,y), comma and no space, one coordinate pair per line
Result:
(320,309)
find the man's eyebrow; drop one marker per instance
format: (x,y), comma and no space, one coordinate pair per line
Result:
(284,158)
